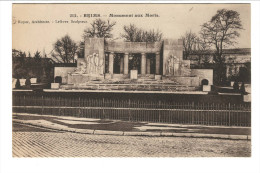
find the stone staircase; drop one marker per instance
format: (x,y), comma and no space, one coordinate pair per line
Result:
(141,84)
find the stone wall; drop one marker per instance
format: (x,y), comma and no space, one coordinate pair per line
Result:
(82,78)
(203,74)
(63,72)
(184,80)
(133,47)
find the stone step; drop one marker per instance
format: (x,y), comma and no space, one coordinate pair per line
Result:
(146,76)
(134,87)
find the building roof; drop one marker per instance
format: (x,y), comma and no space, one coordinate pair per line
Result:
(225,51)
(42,60)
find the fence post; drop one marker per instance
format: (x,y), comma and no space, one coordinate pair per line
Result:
(103,105)
(129,110)
(24,104)
(159,111)
(229,114)
(59,105)
(42,104)
(79,108)
(192,113)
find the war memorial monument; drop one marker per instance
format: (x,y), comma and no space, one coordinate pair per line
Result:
(158,66)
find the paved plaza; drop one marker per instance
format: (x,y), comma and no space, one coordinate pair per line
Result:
(32,141)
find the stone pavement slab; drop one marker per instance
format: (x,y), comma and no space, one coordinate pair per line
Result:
(126,128)
(53,144)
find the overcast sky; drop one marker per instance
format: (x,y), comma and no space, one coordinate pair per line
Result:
(174,20)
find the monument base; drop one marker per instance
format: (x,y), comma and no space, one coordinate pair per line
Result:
(83,78)
(55,85)
(133,74)
(184,80)
(206,88)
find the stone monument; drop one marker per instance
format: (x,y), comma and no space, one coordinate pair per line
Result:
(92,66)
(174,67)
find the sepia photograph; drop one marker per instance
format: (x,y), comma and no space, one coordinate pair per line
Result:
(131,80)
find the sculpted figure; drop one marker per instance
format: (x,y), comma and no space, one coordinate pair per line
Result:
(88,64)
(91,64)
(101,63)
(81,69)
(175,59)
(170,65)
(96,60)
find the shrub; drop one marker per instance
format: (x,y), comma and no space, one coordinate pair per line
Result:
(28,82)
(242,88)
(233,78)
(18,85)
(38,80)
(58,79)
(236,86)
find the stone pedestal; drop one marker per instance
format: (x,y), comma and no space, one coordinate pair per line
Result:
(55,85)
(33,80)
(248,88)
(22,82)
(14,82)
(133,74)
(206,88)
(158,77)
(247,98)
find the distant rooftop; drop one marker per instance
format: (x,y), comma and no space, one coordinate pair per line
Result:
(225,51)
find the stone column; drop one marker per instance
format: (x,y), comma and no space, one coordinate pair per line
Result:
(126,63)
(148,66)
(111,63)
(157,66)
(121,65)
(227,71)
(143,64)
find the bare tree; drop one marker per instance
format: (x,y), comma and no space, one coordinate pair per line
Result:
(65,49)
(189,41)
(99,28)
(132,33)
(135,34)
(152,35)
(221,32)
(203,49)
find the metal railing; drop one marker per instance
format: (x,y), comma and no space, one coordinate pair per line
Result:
(136,110)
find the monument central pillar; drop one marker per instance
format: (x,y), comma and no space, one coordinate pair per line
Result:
(143,63)
(111,63)
(126,56)
(157,66)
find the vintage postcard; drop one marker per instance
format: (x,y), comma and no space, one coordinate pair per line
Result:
(131,80)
